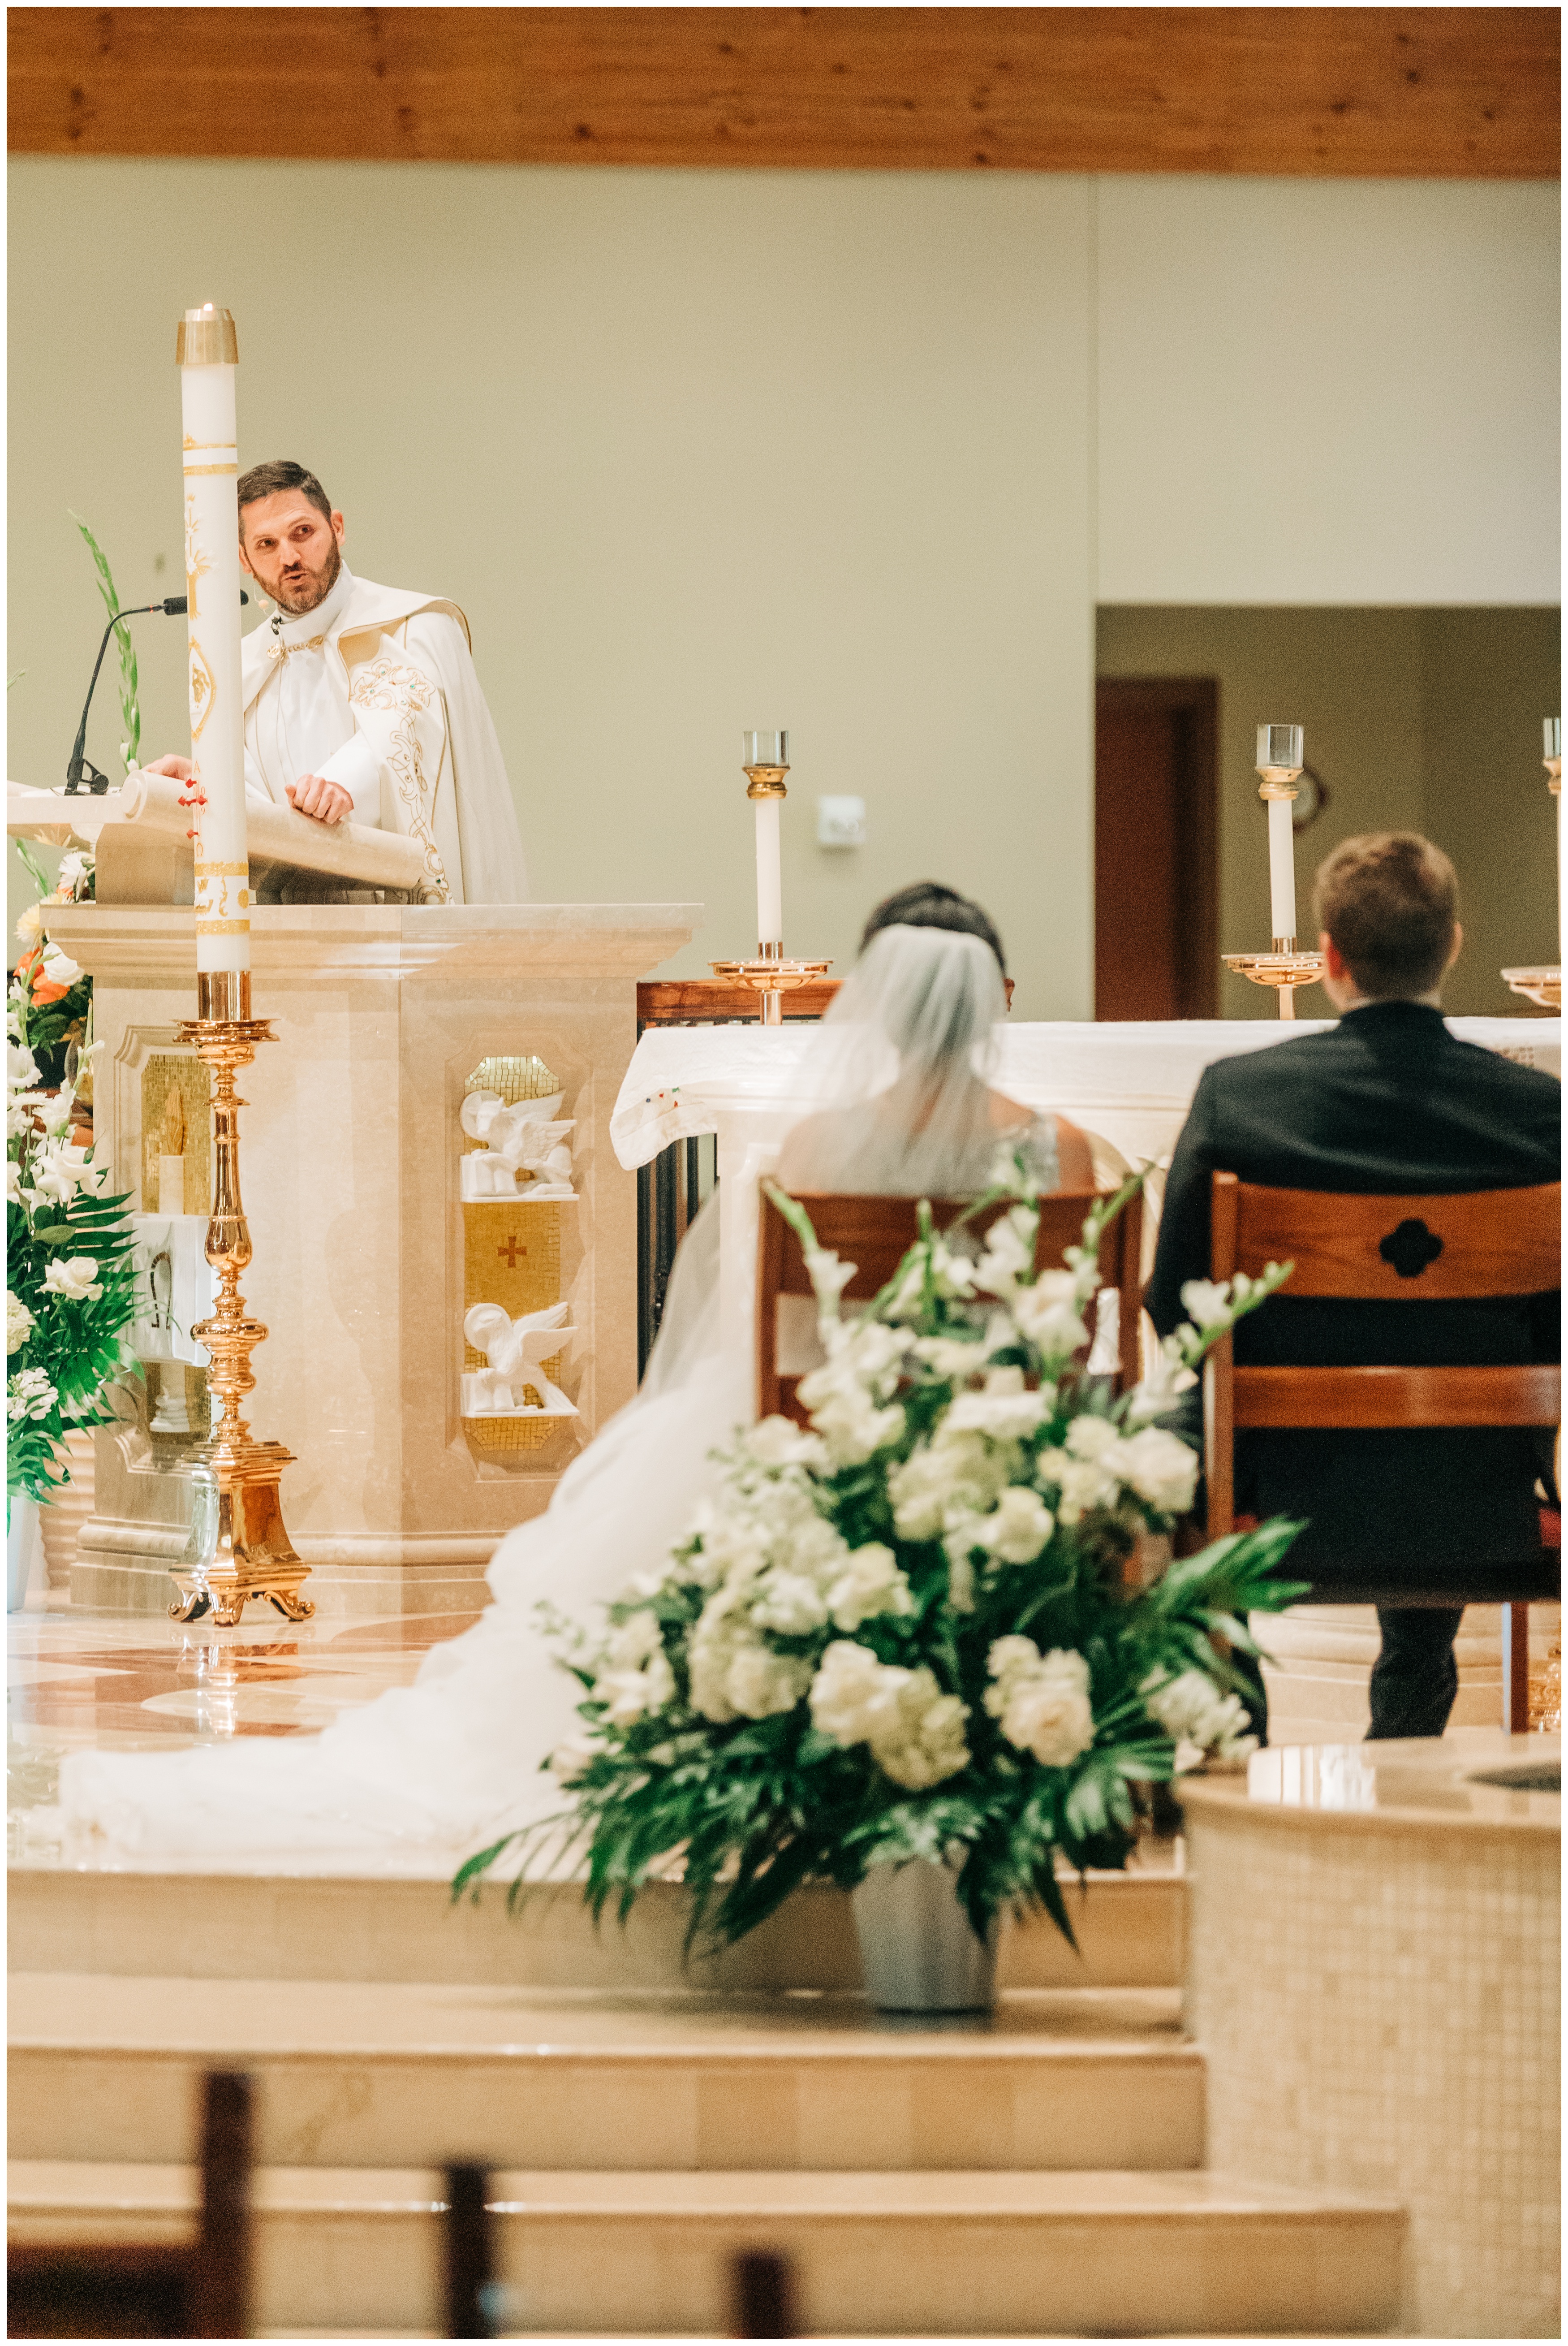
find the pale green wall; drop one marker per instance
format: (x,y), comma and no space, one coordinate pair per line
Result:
(1417,720)
(856,452)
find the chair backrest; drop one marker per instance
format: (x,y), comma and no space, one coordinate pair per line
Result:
(876,1233)
(1475,1244)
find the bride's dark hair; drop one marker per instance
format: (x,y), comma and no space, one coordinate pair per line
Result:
(929,905)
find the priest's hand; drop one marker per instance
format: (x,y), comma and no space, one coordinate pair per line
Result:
(177,769)
(322,801)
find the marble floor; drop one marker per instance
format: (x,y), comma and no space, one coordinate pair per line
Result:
(138,1683)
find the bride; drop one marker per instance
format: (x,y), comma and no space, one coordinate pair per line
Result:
(892,1100)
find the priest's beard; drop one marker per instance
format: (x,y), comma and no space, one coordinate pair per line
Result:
(308,588)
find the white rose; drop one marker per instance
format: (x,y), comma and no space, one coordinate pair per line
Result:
(760,1682)
(778,1441)
(1002,1410)
(930,1745)
(869,1583)
(1082,1486)
(853,1694)
(1041,1700)
(1092,1437)
(1020,1528)
(59,969)
(630,1693)
(75,1279)
(1160,1469)
(19,1320)
(1198,1718)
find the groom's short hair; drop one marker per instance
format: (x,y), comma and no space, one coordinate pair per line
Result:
(929,905)
(270,479)
(1390,899)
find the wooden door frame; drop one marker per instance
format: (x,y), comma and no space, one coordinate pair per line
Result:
(1196,699)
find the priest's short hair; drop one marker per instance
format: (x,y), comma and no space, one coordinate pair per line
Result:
(280,472)
(1390,899)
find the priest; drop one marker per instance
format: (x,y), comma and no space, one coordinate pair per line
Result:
(363,702)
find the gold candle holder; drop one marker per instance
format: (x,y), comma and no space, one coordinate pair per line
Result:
(1284,968)
(253,1555)
(772,976)
(1539,983)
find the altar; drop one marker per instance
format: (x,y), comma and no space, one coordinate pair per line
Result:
(377,1232)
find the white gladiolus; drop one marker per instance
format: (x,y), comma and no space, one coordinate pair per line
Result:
(1157,1393)
(19,1322)
(945,1356)
(954,1475)
(1199,1718)
(1008,1253)
(21,1068)
(1049,1314)
(76,1278)
(778,1441)
(1207,1301)
(1162,1470)
(1020,1528)
(29,1394)
(1041,1700)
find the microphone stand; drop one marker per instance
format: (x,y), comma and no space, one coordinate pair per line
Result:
(80,769)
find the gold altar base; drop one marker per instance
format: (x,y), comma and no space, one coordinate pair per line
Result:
(1284,969)
(250,1553)
(771,978)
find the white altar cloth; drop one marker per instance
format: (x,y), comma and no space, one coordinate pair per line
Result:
(1130,1083)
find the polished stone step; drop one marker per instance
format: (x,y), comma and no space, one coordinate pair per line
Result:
(875,2254)
(324,1924)
(394,2075)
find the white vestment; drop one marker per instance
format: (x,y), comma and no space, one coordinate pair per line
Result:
(375,689)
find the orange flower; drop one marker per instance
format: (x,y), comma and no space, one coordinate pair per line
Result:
(44,991)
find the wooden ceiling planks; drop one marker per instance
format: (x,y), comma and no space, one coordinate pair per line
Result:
(1414,92)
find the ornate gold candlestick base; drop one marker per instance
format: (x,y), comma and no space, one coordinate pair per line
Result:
(1285,969)
(251,1555)
(771,977)
(1543,986)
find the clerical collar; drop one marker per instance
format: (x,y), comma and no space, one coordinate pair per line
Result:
(309,626)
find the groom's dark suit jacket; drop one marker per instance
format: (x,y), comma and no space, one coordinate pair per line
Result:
(1388,1101)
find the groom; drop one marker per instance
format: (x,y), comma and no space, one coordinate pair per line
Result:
(363,701)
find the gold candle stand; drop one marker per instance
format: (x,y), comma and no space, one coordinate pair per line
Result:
(1542,985)
(254,1555)
(772,976)
(1284,967)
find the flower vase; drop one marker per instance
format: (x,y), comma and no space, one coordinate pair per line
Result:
(22,1549)
(917,1950)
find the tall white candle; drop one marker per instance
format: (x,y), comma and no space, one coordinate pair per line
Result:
(769,874)
(1281,749)
(207,351)
(1281,868)
(767,761)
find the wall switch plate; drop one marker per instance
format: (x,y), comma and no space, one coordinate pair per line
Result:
(840,822)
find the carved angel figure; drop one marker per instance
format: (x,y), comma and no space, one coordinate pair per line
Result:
(524,1138)
(515,1348)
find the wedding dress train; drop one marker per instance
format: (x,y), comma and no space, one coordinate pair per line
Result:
(894,1101)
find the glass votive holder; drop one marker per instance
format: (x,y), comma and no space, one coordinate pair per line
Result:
(1281,745)
(765,749)
(1551,734)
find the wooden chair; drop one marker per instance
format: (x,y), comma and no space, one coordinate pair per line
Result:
(101,2288)
(1481,1243)
(876,1233)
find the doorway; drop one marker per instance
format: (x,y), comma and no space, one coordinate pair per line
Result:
(1156,847)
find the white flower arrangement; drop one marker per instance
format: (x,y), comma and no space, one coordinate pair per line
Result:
(906,1627)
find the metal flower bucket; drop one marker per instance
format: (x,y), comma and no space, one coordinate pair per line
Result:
(917,1950)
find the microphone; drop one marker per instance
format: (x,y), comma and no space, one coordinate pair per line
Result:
(79,768)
